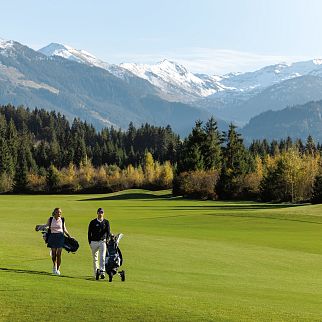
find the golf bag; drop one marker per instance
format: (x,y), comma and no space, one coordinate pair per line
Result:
(70,244)
(114,258)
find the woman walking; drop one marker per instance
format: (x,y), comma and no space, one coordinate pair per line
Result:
(56,231)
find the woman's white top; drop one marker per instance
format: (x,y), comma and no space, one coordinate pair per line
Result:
(56,226)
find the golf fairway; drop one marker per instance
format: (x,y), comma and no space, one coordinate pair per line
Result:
(185,260)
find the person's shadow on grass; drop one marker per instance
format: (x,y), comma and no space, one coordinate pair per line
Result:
(28,271)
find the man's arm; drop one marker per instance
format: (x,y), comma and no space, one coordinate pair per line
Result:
(89,234)
(108,230)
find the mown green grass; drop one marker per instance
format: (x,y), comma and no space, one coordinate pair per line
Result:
(185,260)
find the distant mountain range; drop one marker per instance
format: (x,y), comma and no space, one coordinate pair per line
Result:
(83,90)
(297,122)
(78,84)
(172,80)
(233,97)
(287,93)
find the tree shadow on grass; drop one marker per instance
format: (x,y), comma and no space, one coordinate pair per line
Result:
(131,196)
(43,273)
(235,216)
(237,206)
(265,217)
(224,205)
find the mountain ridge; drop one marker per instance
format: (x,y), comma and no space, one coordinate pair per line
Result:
(297,121)
(30,78)
(79,84)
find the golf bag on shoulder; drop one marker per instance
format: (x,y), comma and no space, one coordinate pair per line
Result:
(114,258)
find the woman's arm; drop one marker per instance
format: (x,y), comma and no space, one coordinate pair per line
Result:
(66,231)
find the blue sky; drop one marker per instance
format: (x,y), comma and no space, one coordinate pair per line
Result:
(211,36)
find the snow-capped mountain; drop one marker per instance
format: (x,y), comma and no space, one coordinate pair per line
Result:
(84,57)
(80,56)
(118,94)
(271,75)
(4,44)
(272,87)
(175,79)
(78,89)
(176,83)
(294,91)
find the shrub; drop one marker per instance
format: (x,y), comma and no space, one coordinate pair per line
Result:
(317,190)
(6,183)
(196,184)
(36,182)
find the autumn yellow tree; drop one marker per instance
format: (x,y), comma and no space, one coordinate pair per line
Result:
(36,182)
(86,174)
(100,177)
(309,171)
(139,176)
(250,182)
(166,176)
(69,178)
(157,173)
(6,182)
(149,168)
(290,177)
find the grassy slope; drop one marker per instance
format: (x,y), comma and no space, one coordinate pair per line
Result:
(185,260)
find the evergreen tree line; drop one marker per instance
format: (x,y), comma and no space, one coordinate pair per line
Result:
(41,151)
(35,145)
(214,164)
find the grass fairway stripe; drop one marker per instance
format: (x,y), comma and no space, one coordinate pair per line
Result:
(185,260)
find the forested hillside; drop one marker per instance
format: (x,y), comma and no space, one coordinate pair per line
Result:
(38,143)
(41,151)
(295,121)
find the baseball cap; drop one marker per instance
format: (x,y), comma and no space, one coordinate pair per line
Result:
(100,210)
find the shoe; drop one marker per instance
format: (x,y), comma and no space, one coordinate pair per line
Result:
(58,272)
(97,274)
(102,275)
(54,270)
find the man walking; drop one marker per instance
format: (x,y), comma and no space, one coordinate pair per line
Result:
(98,233)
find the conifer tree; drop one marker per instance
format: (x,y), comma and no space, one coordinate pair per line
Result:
(21,173)
(310,147)
(236,162)
(274,148)
(12,139)
(212,146)
(6,162)
(191,156)
(317,190)
(53,178)
(80,154)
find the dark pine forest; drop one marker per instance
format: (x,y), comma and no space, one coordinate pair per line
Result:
(42,152)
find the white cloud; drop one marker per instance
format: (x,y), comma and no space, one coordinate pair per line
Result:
(209,61)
